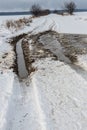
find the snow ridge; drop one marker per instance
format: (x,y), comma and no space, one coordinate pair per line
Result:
(41,114)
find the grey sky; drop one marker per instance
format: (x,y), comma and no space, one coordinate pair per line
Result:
(11,5)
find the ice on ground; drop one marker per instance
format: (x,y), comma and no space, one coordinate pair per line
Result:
(22,71)
(54,46)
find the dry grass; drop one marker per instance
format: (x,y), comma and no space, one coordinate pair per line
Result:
(17,24)
(72,58)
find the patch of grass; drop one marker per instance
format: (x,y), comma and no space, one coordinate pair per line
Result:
(37,10)
(17,24)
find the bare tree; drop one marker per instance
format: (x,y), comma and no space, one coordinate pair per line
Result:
(70,7)
(36,9)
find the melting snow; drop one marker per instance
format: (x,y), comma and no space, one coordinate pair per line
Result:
(56,96)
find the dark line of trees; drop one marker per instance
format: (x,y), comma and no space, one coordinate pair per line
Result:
(36,9)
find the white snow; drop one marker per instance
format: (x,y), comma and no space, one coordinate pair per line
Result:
(6,86)
(62,95)
(54,97)
(75,24)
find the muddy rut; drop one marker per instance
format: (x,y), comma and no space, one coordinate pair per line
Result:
(62,47)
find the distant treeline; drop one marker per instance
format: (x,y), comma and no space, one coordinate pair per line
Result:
(29,12)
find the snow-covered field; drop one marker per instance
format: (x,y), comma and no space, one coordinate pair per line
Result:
(54,97)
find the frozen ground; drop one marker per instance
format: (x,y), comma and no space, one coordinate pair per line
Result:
(54,97)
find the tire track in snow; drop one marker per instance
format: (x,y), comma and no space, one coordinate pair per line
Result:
(55,26)
(41,115)
(46,24)
(22,114)
(39,27)
(22,71)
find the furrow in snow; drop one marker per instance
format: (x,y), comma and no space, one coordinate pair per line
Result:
(41,115)
(20,61)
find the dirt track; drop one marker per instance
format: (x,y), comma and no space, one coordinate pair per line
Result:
(48,44)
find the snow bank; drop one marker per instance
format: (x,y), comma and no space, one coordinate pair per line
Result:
(6,86)
(62,95)
(56,99)
(75,24)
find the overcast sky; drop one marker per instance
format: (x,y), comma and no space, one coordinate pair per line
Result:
(18,5)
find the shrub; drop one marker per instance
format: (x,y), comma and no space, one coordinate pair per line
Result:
(17,24)
(44,12)
(70,7)
(36,10)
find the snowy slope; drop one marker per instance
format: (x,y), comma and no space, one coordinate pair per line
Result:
(75,24)
(55,97)
(6,85)
(62,95)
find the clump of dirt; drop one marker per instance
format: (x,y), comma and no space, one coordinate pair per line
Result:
(73,58)
(37,52)
(14,40)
